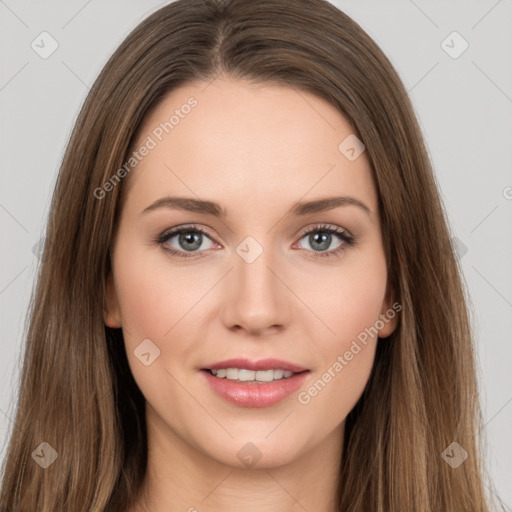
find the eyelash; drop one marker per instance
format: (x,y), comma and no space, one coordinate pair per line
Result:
(348,240)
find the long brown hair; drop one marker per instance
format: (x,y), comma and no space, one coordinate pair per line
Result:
(77,393)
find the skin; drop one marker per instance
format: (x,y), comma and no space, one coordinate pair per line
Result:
(256,149)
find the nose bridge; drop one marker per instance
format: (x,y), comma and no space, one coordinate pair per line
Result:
(254,279)
(252,265)
(257,298)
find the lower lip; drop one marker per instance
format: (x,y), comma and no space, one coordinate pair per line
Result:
(263,394)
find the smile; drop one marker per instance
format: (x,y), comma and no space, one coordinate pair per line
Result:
(244,375)
(248,383)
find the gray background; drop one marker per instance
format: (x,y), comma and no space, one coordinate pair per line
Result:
(464,105)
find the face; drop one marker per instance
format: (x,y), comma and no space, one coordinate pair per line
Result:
(257,278)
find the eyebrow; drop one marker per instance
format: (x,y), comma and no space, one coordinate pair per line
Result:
(211,208)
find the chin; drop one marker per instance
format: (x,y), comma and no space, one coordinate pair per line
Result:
(256,452)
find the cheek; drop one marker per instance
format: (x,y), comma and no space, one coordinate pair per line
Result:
(151,309)
(347,358)
(350,299)
(334,391)
(152,296)
(349,305)
(142,308)
(158,301)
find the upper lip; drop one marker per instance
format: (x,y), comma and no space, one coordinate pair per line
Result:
(261,364)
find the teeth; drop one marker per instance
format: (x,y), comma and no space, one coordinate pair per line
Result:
(243,375)
(278,374)
(231,373)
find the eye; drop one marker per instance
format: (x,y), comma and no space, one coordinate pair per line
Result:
(320,238)
(189,239)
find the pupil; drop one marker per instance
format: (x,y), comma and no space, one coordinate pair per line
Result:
(325,239)
(189,238)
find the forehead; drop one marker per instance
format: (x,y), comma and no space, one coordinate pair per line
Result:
(235,140)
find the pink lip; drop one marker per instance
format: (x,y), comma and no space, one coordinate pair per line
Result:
(262,364)
(262,394)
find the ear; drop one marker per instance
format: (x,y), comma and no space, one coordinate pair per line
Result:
(389,314)
(111,311)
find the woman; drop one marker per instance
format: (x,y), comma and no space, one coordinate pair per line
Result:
(193,345)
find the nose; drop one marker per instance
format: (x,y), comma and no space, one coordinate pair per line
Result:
(257,300)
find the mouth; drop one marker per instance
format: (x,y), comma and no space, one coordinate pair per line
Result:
(251,376)
(254,383)
(247,370)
